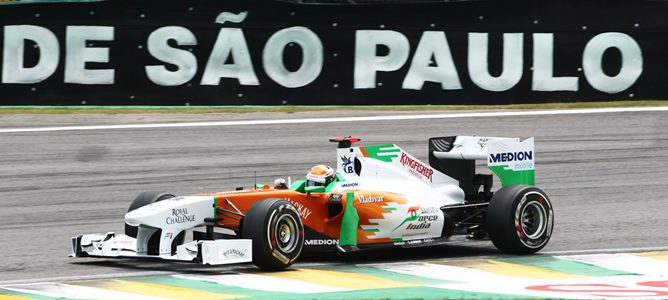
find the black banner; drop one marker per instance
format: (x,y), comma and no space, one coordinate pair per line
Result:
(253,52)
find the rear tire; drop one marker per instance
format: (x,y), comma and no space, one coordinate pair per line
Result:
(520,219)
(277,232)
(142,200)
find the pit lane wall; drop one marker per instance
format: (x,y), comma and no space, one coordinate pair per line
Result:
(265,52)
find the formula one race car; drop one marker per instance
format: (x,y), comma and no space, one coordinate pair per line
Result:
(379,196)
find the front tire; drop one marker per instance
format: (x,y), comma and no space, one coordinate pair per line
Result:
(520,219)
(277,232)
(142,200)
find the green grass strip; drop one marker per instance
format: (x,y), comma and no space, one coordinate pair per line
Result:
(297,108)
(563,265)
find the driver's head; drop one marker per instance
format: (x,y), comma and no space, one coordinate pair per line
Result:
(320,175)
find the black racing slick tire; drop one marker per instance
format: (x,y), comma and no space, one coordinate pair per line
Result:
(277,233)
(520,219)
(144,199)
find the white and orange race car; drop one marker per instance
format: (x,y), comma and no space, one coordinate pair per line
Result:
(380,196)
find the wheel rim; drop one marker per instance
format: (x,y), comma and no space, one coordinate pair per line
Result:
(533,220)
(286,232)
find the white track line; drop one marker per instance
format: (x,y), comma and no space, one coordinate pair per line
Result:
(603,251)
(623,262)
(443,272)
(266,283)
(345,119)
(67,291)
(83,277)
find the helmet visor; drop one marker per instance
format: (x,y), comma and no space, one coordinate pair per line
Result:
(310,183)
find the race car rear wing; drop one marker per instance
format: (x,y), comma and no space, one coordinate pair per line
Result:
(510,159)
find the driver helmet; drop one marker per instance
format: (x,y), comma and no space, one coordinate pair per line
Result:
(320,175)
(280,184)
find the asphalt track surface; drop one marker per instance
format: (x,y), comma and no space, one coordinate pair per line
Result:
(605,173)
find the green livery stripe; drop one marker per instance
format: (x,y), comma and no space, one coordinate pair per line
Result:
(372,230)
(510,177)
(384,152)
(408,219)
(563,265)
(349,222)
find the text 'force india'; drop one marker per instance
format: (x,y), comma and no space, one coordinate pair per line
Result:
(381,197)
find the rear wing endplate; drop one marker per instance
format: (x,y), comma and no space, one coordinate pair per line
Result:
(511,159)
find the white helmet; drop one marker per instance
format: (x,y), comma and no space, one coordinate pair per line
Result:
(320,175)
(279,183)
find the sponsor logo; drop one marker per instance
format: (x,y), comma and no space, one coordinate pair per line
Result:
(303,211)
(335,198)
(168,235)
(419,218)
(482,142)
(284,259)
(510,156)
(423,225)
(370,199)
(415,242)
(123,242)
(347,164)
(412,216)
(180,216)
(605,289)
(350,184)
(429,210)
(233,253)
(417,166)
(318,242)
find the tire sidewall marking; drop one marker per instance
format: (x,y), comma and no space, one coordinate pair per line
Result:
(273,219)
(529,198)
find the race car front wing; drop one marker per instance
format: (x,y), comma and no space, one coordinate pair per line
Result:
(207,252)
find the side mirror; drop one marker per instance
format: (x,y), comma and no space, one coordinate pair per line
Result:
(315,189)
